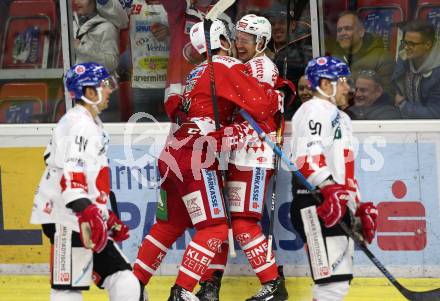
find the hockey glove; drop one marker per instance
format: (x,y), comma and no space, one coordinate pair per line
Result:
(93,228)
(334,205)
(230,137)
(174,109)
(119,230)
(368,213)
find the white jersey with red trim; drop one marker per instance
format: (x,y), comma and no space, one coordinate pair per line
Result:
(322,143)
(257,153)
(77,167)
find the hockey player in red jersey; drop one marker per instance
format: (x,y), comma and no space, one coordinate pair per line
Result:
(249,173)
(71,199)
(323,151)
(191,188)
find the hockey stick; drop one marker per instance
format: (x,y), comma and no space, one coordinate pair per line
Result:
(273,199)
(432,295)
(113,203)
(218,9)
(279,138)
(207,27)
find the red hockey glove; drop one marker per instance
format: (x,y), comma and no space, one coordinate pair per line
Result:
(174,108)
(334,205)
(230,137)
(117,227)
(368,213)
(93,228)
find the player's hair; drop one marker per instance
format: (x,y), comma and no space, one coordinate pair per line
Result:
(425,28)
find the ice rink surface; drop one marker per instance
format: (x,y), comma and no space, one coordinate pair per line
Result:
(36,288)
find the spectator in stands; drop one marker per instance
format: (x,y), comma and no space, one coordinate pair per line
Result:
(304,89)
(361,50)
(303,93)
(149,41)
(417,73)
(371,102)
(113,11)
(297,50)
(95,38)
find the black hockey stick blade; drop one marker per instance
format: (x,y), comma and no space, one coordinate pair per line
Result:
(432,295)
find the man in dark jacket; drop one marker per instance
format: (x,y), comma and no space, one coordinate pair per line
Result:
(362,50)
(290,54)
(371,102)
(417,73)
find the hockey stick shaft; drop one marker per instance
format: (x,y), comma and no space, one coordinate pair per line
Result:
(218,9)
(277,159)
(207,28)
(114,203)
(273,199)
(433,295)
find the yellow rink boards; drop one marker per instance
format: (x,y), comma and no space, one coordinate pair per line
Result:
(36,288)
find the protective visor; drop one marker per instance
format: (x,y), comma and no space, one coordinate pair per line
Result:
(110,82)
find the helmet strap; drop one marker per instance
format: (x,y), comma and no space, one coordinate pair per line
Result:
(94,104)
(259,51)
(229,49)
(332,95)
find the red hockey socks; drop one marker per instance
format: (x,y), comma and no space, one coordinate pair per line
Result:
(218,263)
(254,244)
(206,243)
(153,249)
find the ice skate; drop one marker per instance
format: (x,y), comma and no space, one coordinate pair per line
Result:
(210,290)
(274,290)
(178,293)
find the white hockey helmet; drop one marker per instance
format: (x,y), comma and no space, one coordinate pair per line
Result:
(257,26)
(197,36)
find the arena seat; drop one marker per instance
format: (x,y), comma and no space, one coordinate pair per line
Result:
(381,17)
(58,105)
(29,39)
(23,102)
(429,10)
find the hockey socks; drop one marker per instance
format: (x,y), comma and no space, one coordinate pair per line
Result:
(153,249)
(206,243)
(218,263)
(254,244)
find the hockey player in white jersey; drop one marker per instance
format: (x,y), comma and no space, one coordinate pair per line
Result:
(71,199)
(322,149)
(249,173)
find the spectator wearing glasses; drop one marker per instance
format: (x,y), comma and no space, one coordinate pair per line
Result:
(371,102)
(362,50)
(417,73)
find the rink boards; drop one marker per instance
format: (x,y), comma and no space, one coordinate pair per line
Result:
(396,166)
